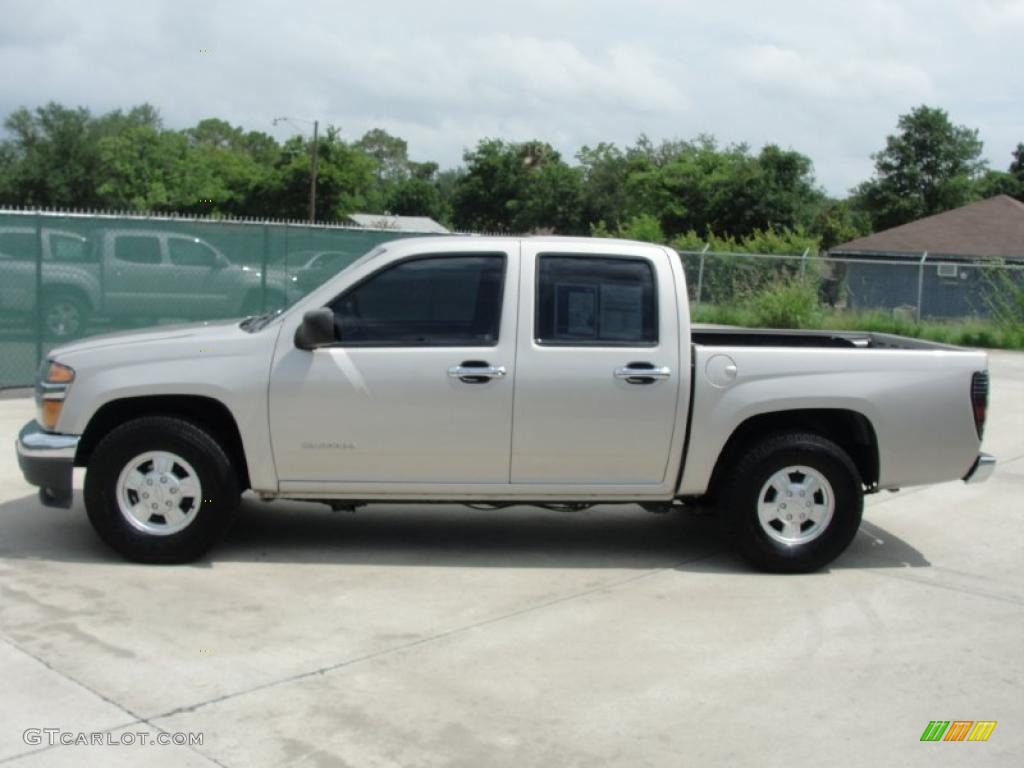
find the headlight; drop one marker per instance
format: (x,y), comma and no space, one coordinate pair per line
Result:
(50,393)
(59,374)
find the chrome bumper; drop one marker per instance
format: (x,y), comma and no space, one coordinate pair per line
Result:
(981,469)
(47,460)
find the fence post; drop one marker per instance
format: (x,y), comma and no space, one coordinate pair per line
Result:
(265,266)
(39,289)
(803,263)
(700,273)
(920,283)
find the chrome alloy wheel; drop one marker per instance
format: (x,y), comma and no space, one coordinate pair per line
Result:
(795,506)
(158,492)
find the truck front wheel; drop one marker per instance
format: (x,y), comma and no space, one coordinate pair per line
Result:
(65,315)
(159,489)
(793,502)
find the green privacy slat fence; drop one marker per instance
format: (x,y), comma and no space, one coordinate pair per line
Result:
(68,275)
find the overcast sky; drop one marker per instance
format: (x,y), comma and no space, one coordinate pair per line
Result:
(824,77)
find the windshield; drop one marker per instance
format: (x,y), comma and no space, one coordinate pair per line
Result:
(254,323)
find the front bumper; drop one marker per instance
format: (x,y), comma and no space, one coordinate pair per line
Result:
(47,460)
(981,469)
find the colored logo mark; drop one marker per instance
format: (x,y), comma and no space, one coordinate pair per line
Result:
(958,730)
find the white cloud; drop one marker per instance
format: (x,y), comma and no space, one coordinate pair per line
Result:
(828,79)
(784,69)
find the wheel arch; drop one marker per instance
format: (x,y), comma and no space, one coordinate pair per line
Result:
(850,430)
(205,412)
(52,289)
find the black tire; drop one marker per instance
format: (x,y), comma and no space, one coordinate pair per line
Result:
(65,315)
(740,495)
(217,477)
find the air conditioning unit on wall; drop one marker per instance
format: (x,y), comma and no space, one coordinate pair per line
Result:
(947,270)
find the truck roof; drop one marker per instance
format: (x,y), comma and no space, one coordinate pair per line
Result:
(555,240)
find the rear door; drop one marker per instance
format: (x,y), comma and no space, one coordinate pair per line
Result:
(600,387)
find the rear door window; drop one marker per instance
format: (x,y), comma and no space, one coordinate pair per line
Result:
(595,300)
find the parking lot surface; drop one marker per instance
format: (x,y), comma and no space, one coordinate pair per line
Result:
(444,636)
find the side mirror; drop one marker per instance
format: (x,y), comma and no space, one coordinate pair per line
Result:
(316,330)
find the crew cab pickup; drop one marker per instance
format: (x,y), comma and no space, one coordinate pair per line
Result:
(501,371)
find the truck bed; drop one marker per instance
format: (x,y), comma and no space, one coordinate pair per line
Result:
(730,336)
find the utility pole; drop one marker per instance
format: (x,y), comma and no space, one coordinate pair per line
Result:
(315,151)
(312,178)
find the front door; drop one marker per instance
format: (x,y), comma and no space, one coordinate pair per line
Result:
(598,374)
(135,276)
(417,388)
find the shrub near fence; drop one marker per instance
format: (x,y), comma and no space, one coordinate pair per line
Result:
(64,276)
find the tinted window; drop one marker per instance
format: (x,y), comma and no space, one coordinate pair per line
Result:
(18,246)
(595,300)
(190,253)
(439,301)
(140,249)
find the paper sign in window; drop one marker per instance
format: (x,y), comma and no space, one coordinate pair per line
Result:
(622,312)
(576,311)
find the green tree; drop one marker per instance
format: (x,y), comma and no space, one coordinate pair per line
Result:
(928,166)
(837,222)
(994,183)
(696,186)
(1009,182)
(418,194)
(1017,166)
(549,200)
(603,183)
(345,178)
(509,187)
(390,153)
(644,227)
(51,157)
(142,168)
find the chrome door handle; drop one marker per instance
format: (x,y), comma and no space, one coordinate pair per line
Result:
(637,374)
(476,374)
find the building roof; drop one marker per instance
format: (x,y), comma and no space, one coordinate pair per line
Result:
(397,223)
(992,228)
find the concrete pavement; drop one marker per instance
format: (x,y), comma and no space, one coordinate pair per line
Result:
(443,636)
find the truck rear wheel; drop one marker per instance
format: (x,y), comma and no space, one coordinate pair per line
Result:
(793,502)
(159,489)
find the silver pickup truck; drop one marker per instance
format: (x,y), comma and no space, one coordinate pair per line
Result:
(499,371)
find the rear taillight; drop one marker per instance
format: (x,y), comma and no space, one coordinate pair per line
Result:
(979,400)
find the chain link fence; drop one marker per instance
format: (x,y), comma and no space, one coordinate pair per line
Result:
(913,288)
(68,275)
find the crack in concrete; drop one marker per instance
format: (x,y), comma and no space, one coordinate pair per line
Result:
(952,587)
(615,584)
(137,719)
